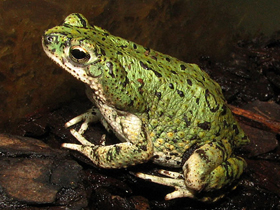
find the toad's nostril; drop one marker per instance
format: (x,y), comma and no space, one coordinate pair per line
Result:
(48,39)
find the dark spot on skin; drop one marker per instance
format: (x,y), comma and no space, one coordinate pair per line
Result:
(204,125)
(218,134)
(102,52)
(224,110)
(147,49)
(173,72)
(188,153)
(160,113)
(93,154)
(235,128)
(119,53)
(195,137)
(135,46)
(110,66)
(189,82)
(156,156)
(123,46)
(131,103)
(167,59)
(174,154)
(197,101)
(143,147)
(203,155)
(158,94)
(154,57)
(103,39)
(140,81)
(144,66)
(182,67)
(227,165)
(221,147)
(109,155)
(187,121)
(157,73)
(171,86)
(106,34)
(125,82)
(181,94)
(118,149)
(207,95)
(167,158)
(65,34)
(82,20)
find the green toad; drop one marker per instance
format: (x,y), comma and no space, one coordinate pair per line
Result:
(160,108)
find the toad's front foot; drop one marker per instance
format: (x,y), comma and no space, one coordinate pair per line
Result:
(91,116)
(85,147)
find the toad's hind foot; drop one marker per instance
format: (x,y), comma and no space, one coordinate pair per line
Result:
(176,180)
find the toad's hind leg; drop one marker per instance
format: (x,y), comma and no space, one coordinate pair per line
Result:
(212,167)
(226,173)
(209,168)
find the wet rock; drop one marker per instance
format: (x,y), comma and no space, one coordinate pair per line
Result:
(32,172)
(262,139)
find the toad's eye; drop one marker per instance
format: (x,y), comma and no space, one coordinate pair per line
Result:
(79,54)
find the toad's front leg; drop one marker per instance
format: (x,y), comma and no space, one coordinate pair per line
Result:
(138,147)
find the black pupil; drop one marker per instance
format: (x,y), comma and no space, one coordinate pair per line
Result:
(78,54)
